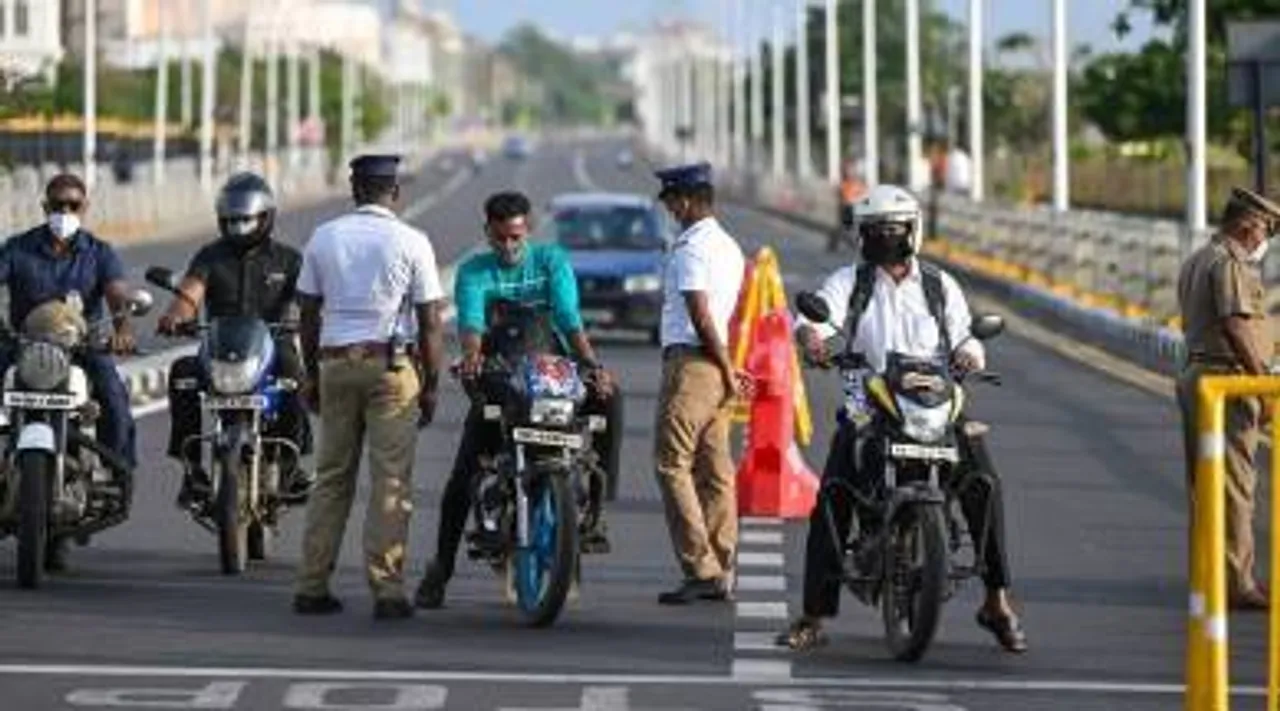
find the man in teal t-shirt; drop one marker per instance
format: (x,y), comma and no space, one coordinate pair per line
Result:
(539,276)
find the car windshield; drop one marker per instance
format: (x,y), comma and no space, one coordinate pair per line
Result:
(610,227)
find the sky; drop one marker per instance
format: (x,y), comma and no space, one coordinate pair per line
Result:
(1088,20)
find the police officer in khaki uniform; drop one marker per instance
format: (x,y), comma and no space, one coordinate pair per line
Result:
(1224,321)
(360,273)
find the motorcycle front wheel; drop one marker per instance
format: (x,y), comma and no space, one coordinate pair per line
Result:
(233,534)
(35,470)
(916,581)
(544,570)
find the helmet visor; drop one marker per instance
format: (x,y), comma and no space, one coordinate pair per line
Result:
(243,203)
(886,229)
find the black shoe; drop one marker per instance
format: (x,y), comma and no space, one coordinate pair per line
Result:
(430,595)
(298,488)
(316,605)
(723,591)
(395,608)
(689,591)
(594,540)
(193,497)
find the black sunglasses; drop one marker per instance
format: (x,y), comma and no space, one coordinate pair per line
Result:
(64,205)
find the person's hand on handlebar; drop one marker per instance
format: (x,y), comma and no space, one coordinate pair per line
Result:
(170,325)
(122,341)
(965,362)
(471,365)
(815,346)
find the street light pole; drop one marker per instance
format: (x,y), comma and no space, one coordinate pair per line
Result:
(757,97)
(246,95)
(1061,186)
(162,96)
(273,95)
(740,89)
(778,81)
(90,144)
(977,150)
(870,97)
(1197,208)
(804,151)
(833,93)
(295,99)
(207,98)
(915,127)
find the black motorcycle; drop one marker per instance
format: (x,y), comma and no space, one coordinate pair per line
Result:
(904,551)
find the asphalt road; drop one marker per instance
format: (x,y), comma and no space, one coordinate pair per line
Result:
(1094,505)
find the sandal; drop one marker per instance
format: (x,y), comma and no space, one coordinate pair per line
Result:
(1006,629)
(802,636)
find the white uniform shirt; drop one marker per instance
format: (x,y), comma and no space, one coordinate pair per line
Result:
(897,316)
(703,258)
(369,268)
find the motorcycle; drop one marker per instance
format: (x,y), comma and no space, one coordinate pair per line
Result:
(907,559)
(246,468)
(531,500)
(57,481)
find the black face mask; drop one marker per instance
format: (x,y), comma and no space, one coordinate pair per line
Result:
(881,250)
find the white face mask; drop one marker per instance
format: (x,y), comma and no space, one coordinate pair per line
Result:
(64,225)
(1255,257)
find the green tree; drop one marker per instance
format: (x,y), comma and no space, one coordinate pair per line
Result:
(572,84)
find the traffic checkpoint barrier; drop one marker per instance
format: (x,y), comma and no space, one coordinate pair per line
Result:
(1207,674)
(773,478)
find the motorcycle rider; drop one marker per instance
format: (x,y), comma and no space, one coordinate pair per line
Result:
(61,260)
(245,272)
(895,302)
(535,275)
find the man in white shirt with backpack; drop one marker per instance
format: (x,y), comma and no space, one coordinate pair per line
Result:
(894,302)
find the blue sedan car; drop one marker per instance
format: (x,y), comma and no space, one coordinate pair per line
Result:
(616,243)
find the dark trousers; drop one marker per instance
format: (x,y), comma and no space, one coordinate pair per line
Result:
(480,438)
(977,488)
(116,429)
(187,380)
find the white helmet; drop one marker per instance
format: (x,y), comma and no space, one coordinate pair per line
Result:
(890,203)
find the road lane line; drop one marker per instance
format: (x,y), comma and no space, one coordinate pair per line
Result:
(755,642)
(580,173)
(769,538)
(762,610)
(760,560)
(761,670)
(762,583)
(758,522)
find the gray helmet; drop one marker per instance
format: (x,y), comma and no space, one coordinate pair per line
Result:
(244,197)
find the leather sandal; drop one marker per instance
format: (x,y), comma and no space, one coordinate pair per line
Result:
(802,636)
(1007,630)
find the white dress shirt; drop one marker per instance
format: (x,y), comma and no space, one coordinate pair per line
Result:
(897,316)
(369,267)
(703,258)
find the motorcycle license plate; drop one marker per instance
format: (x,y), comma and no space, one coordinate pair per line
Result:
(524,435)
(919,451)
(40,401)
(235,402)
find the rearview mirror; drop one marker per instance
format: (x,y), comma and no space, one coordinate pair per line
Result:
(813,307)
(162,278)
(986,326)
(140,302)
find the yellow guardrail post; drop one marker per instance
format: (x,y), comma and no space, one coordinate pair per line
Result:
(1207,677)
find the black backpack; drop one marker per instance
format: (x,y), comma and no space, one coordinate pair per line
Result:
(934,295)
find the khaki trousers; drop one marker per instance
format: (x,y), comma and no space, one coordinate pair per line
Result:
(359,398)
(695,470)
(1242,434)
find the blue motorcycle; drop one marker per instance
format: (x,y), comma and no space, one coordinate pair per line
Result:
(240,399)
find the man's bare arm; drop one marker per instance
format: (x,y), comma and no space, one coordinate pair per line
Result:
(430,343)
(704,325)
(309,333)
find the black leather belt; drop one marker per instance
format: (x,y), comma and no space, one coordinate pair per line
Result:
(678,350)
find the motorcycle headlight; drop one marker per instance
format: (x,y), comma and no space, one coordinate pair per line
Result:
(234,378)
(551,411)
(924,424)
(642,282)
(43,366)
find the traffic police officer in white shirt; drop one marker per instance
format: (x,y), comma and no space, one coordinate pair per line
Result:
(701,281)
(894,302)
(358,273)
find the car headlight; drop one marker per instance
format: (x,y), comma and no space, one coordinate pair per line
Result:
(557,412)
(43,366)
(234,378)
(642,282)
(924,424)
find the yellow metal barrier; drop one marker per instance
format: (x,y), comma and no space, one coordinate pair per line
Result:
(1206,663)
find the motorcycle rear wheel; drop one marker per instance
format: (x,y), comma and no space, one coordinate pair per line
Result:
(911,619)
(35,470)
(544,571)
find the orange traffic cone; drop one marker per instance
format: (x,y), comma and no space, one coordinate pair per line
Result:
(773,479)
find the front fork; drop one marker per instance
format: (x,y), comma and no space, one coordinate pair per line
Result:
(241,435)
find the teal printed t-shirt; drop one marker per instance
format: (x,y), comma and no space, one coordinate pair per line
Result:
(544,278)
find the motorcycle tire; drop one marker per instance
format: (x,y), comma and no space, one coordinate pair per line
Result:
(545,570)
(910,624)
(233,534)
(35,470)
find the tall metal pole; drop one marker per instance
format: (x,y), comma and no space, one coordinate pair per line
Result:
(313,101)
(757,96)
(273,94)
(162,95)
(833,93)
(1197,208)
(977,150)
(740,89)
(246,95)
(187,104)
(804,151)
(779,81)
(90,144)
(295,99)
(915,126)
(207,98)
(1061,186)
(870,97)
(348,106)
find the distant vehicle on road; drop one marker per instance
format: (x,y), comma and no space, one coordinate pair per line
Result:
(615,243)
(625,159)
(516,148)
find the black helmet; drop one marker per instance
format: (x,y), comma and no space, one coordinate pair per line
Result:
(246,209)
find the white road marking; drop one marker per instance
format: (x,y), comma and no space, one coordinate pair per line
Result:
(755,521)
(762,583)
(770,670)
(756,642)
(762,610)
(580,173)
(762,560)
(993,684)
(428,201)
(770,538)
(594,698)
